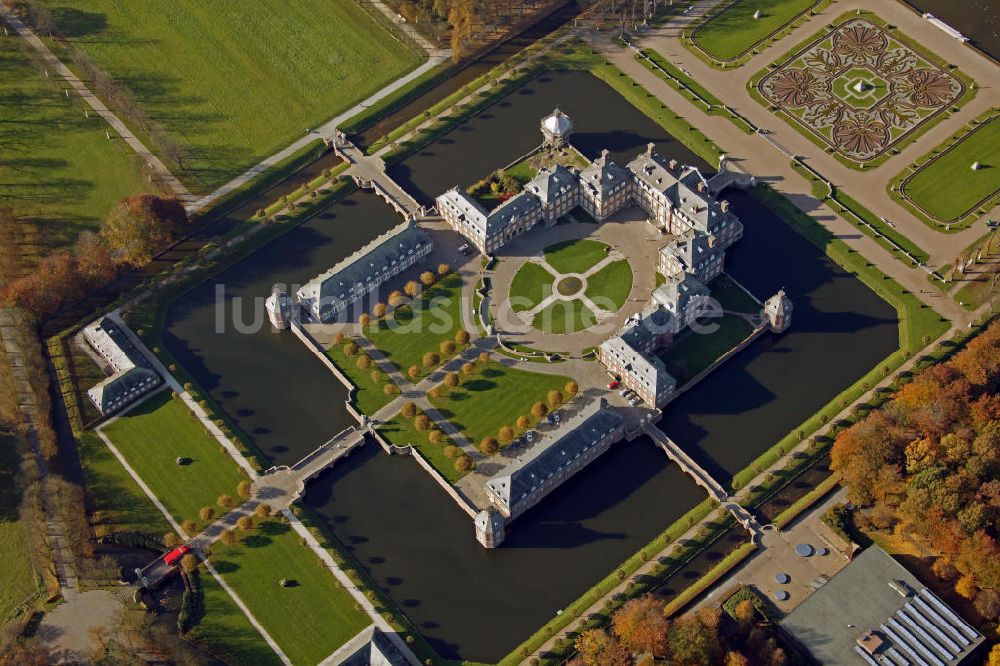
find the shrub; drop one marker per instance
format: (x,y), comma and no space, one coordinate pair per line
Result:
(190,527)
(413,372)
(451,379)
(189,562)
(396,299)
(447,347)
(409,409)
(364,362)
(443,269)
(245,523)
(523,423)
(435,436)
(206,513)
(364,319)
(554,398)
(484,357)
(389,389)
(421,422)
(263,510)
(572,387)
(539,409)
(506,434)
(226,501)
(379,310)
(243,489)
(351,348)
(431,359)
(450,451)
(463,463)
(489,445)
(427,278)
(462,337)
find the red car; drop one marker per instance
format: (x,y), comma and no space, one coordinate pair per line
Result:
(614,384)
(173,558)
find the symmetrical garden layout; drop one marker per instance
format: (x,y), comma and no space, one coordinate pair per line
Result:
(860,90)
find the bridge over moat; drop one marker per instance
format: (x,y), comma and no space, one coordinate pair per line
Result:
(368,172)
(702,478)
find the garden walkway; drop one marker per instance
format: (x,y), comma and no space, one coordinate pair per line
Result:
(769,165)
(868,187)
(157,167)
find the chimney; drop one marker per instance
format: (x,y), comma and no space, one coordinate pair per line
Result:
(672,165)
(650,148)
(724,205)
(711,241)
(702,186)
(604,154)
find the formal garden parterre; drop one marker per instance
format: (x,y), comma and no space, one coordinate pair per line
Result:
(860,90)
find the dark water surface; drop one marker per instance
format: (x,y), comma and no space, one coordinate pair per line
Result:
(979,20)
(469,602)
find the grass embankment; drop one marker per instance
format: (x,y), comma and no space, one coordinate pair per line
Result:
(609,287)
(412,330)
(494,397)
(19,582)
(400,432)
(531,285)
(370,395)
(313,615)
(153,435)
(733,30)
(733,297)
(226,632)
(60,174)
(694,352)
(575,256)
(947,188)
(319,58)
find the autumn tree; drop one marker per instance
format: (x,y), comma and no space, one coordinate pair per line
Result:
(206,513)
(443,269)
(142,225)
(396,299)
(409,409)
(413,372)
(447,347)
(244,488)
(693,639)
(421,422)
(597,648)
(641,626)
(484,357)
(378,311)
(245,523)
(351,348)
(539,409)
(431,359)
(462,336)
(435,436)
(189,562)
(468,368)
(364,319)
(554,398)
(506,434)
(463,463)
(94,263)
(451,380)
(489,445)
(571,388)
(523,423)
(262,510)
(427,278)
(412,288)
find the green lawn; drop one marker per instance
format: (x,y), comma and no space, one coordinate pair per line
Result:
(400,431)
(236,80)
(370,396)
(226,632)
(731,296)
(731,32)
(564,317)
(610,286)
(309,619)
(947,188)
(412,330)
(495,397)
(575,256)
(18,579)
(153,435)
(58,172)
(694,352)
(531,285)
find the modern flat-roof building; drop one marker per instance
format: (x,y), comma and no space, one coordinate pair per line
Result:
(390,254)
(876,612)
(132,374)
(557,457)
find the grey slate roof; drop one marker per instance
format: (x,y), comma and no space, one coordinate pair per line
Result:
(133,372)
(551,182)
(519,206)
(515,482)
(604,176)
(645,368)
(692,248)
(677,291)
(364,265)
(680,187)
(874,593)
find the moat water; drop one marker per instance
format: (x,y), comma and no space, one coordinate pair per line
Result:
(476,604)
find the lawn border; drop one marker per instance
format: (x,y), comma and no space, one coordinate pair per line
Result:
(688,37)
(897,186)
(969,91)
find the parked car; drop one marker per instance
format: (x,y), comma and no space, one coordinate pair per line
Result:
(614,384)
(464,249)
(173,558)
(623,392)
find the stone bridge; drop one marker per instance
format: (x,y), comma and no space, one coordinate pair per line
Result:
(730,175)
(368,171)
(702,478)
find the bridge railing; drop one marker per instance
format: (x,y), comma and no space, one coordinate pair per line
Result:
(322,448)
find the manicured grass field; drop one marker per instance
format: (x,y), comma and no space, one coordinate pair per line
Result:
(495,397)
(153,435)
(412,330)
(226,632)
(234,81)
(575,256)
(310,618)
(947,188)
(733,31)
(694,352)
(731,296)
(564,317)
(370,396)
(59,173)
(531,285)
(18,578)
(609,287)
(400,431)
